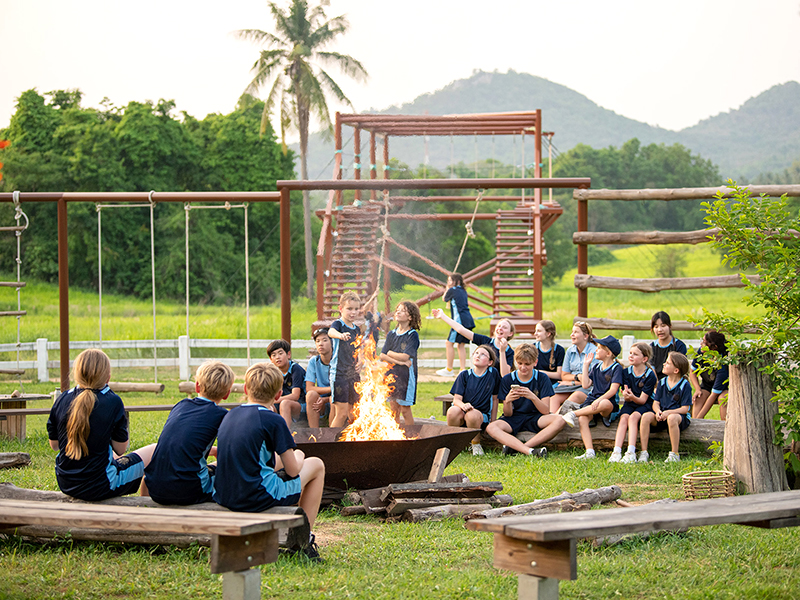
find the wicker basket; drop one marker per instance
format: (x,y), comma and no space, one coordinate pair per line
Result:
(701,485)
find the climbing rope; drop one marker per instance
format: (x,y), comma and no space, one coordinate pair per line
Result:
(470,232)
(18,215)
(384,237)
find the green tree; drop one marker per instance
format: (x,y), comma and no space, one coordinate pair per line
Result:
(298,84)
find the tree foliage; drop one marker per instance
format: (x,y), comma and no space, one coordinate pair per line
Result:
(761,233)
(56,145)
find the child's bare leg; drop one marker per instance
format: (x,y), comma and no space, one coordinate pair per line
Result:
(146,453)
(394,407)
(290,409)
(549,425)
(408,415)
(673,423)
(474,419)
(556,400)
(312,480)
(633,428)
(644,429)
(697,405)
(723,407)
(462,356)
(455,417)
(586,433)
(449,353)
(341,412)
(622,428)
(502,432)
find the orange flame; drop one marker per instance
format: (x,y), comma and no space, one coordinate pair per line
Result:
(374,420)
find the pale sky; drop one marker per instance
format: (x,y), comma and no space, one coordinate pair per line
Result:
(670,64)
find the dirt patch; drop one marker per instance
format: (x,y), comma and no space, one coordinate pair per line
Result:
(337,531)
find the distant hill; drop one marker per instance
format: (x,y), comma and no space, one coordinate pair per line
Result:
(762,135)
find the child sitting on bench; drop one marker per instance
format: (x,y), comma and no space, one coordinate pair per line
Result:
(526,407)
(259,465)
(85,425)
(179,473)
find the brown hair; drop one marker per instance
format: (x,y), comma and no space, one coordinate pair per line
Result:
(263,381)
(490,350)
(91,370)
(457,279)
(550,329)
(349,296)
(646,350)
(214,379)
(527,352)
(585,328)
(412,309)
(680,362)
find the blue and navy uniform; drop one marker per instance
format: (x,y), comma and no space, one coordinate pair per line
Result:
(343,374)
(671,398)
(525,415)
(573,363)
(456,296)
(96,475)
(249,438)
(178,472)
(479,340)
(405,378)
(602,378)
(478,390)
(660,354)
(318,373)
(544,360)
(641,384)
(714,381)
(295,377)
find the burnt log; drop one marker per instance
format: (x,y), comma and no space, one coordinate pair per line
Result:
(562,501)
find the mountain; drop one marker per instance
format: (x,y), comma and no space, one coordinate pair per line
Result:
(762,135)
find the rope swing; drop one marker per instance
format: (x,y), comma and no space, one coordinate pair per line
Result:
(18,229)
(468,226)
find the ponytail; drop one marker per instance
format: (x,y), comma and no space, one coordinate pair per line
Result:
(92,371)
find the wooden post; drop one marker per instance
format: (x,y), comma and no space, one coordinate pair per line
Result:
(387,274)
(583,258)
(750,454)
(63,293)
(286,268)
(373,162)
(338,140)
(357,158)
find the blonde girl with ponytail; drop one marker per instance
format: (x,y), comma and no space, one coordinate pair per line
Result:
(89,428)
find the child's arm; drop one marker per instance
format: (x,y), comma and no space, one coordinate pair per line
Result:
(585,380)
(338,335)
(294,395)
(311,386)
(554,375)
(629,396)
(54,445)
(290,463)
(612,391)
(541,404)
(396,358)
(502,362)
(493,415)
(458,400)
(695,385)
(438,313)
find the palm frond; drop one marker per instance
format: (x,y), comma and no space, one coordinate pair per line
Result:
(327,82)
(259,37)
(264,68)
(346,63)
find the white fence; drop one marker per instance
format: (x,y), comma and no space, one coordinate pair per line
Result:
(183,348)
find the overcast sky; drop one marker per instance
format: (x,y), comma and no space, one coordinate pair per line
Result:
(665,63)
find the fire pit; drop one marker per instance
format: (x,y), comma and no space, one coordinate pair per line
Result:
(371,464)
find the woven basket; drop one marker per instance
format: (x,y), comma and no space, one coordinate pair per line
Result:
(702,485)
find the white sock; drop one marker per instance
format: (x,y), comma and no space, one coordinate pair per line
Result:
(631,449)
(618,449)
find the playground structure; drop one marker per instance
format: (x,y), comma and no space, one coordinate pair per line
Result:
(347,254)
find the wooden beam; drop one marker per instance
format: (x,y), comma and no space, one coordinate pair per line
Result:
(703,193)
(620,325)
(644,237)
(661,284)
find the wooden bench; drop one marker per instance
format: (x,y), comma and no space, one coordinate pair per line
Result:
(240,541)
(542,548)
(701,430)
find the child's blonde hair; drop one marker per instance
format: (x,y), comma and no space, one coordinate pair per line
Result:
(646,351)
(510,326)
(263,382)
(214,379)
(680,362)
(527,352)
(349,296)
(92,371)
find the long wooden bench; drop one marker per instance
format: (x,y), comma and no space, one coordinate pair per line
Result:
(701,430)
(542,549)
(240,541)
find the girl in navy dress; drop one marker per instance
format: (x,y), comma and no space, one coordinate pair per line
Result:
(637,397)
(400,350)
(551,355)
(89,428)
(456,297)
(665,342)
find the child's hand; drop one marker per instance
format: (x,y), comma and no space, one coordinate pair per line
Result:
(437,313)
(589,358)
(502,343)
(346,336)
(696,396)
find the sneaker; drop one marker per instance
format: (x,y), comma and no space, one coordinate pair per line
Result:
(615,456)
(593,421)
(310,551)
(606,421)
(644,456)
(509,451)
(446,372)
(673,457)
(477,450)
(588,455)
(570,418)
(539,452)
(629,458)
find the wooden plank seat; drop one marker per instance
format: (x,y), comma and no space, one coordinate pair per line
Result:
(541,549)
(701,430)
(239,540)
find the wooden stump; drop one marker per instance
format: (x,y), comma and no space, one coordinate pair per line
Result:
(756,462)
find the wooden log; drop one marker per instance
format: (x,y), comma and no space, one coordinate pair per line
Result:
(619,325)
(644,237)
(188,387)
(541,509)
(124,386)
(356,509)
(12,371)
(704,193)
(588,496)
(439,465)
(397,506)
(438,513)
(663,283)
(750,455)
(14,459)
(442,490)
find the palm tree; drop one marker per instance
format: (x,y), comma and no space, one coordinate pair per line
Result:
(299,84)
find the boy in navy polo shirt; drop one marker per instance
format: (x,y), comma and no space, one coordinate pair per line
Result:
(344,369)
(475,395)
(292,402)
(178,473)
(525,394)
(259,464)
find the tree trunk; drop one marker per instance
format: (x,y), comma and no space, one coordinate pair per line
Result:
(756,462)
(303,118)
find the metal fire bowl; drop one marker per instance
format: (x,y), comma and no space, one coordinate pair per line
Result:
(371,464)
